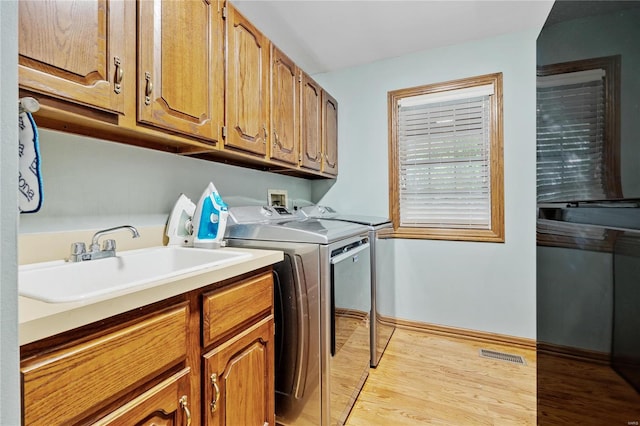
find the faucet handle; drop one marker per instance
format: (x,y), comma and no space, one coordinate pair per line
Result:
(78,248)
(109,245)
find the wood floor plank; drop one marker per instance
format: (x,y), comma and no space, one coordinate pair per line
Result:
(424,379)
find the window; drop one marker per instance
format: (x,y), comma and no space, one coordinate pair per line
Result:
(446,179)
(577,133)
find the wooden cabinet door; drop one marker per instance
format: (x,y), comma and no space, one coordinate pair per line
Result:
(285,108)
(329,134)
(180,57)
(74,50)
(165,404)
(239,379)
(247,102)
(311,124)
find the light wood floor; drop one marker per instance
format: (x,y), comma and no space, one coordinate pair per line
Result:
(425,379)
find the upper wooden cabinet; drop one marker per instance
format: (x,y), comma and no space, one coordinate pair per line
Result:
(189,77)
(74,50)
(304,118)
(285,108)
(247,85)
(329,134)
(180,65)
(311,124)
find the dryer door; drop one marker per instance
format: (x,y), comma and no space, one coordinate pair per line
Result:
(297,352)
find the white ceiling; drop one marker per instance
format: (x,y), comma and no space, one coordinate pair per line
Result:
(322,36)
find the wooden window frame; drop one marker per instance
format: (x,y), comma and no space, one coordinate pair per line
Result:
(496,233)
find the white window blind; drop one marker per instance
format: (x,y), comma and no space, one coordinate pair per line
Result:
(444,159)
(570,136)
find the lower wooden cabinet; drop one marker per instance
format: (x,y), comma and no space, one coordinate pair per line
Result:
(240,376)
(154,365)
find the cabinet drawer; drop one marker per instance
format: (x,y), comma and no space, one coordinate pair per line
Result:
(230,308)
(65,385)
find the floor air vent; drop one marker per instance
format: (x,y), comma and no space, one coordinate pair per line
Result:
(501,356)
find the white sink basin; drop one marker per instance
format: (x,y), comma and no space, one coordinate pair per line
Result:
(129,271)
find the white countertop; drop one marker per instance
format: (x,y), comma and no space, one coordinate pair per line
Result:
(38,320)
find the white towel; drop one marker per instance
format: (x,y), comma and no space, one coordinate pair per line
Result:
(29,178)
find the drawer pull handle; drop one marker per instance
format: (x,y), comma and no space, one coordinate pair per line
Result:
(216,397)
(119,75)
(183,405)
(148,88)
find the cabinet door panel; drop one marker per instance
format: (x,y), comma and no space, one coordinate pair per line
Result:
(73,50)
(239,380)
(285,108)
(180,49)
(329,134)
(247,85)
(166,404)
(311,124)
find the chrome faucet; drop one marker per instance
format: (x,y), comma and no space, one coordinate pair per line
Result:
(79,252)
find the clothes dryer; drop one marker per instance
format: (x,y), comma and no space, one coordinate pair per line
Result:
(382,270)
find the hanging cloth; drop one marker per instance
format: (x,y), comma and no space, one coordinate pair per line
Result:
(29,177)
